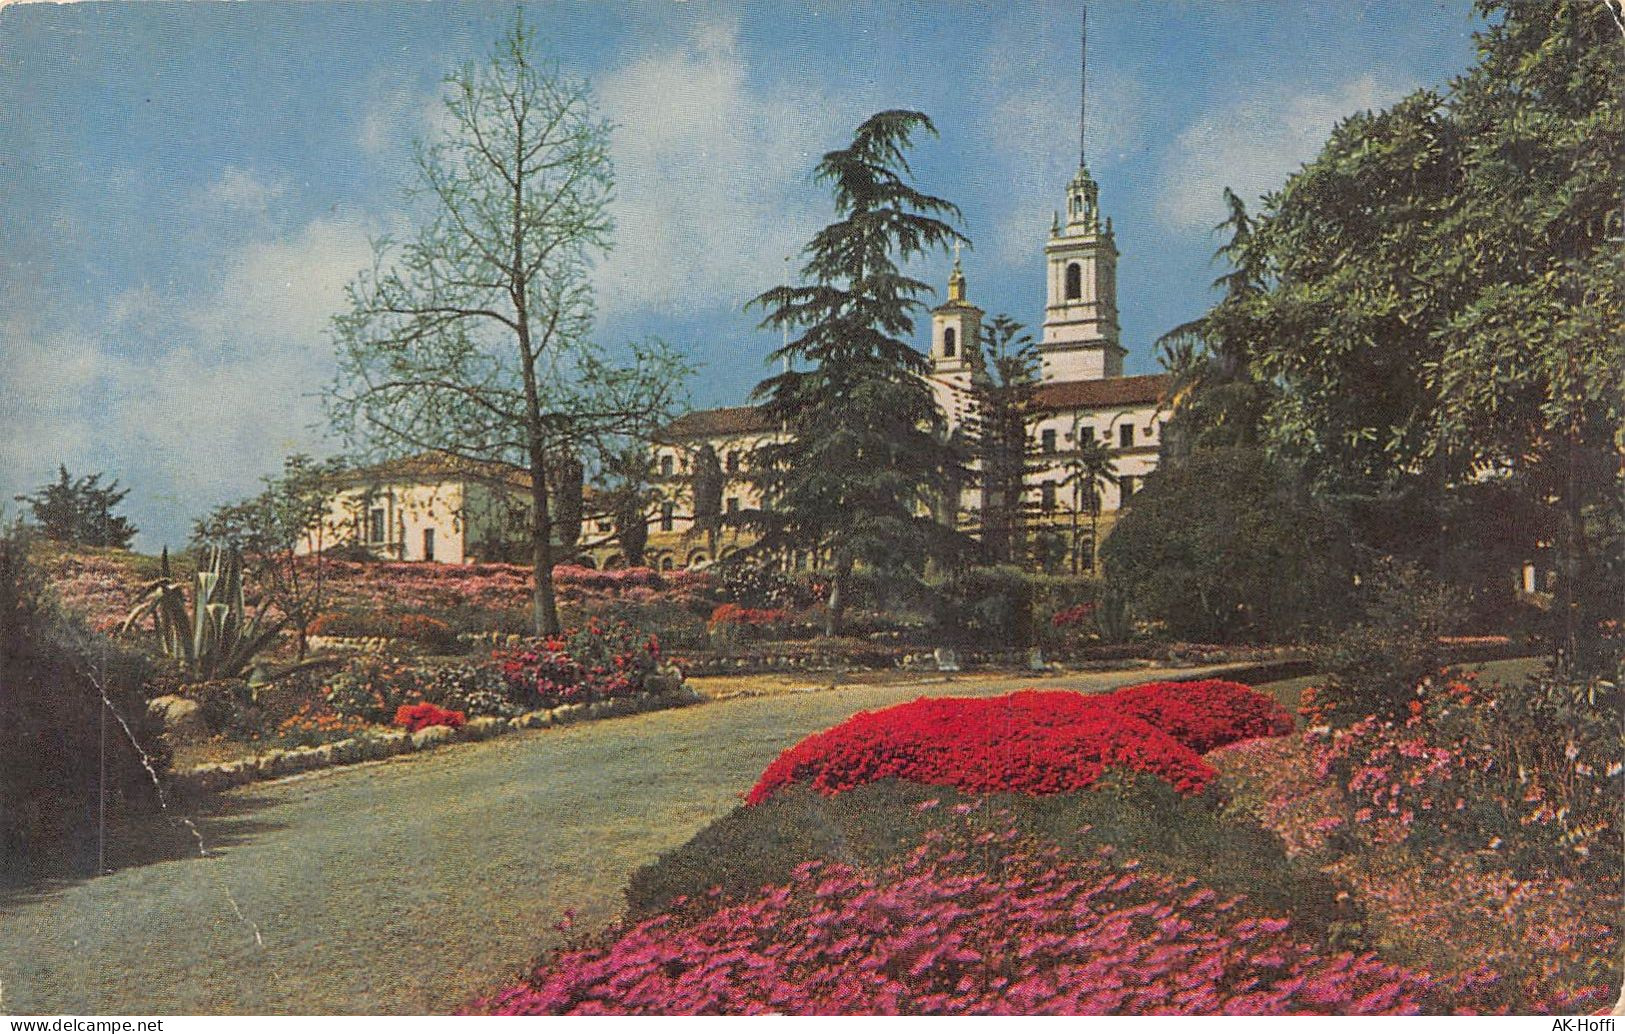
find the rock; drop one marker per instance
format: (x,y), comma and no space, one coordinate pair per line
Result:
(663,681)
(566,713)
(182,718)
(484,728)
(347,752)
(300,759)
(322,756)
(386,745)
(947,659)
(538,719)
(270,764)
(433,736)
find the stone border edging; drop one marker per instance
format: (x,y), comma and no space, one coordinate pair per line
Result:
(278,764)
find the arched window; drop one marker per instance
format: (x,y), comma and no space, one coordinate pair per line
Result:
(1074,281)
(948,342)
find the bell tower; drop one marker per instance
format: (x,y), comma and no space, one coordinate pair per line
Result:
(956,348)
(1080,319)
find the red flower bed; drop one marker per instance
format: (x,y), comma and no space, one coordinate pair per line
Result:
(752,617)
(1206,714)
(1035,741)
(413,717)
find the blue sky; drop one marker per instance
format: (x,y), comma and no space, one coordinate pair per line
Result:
(187,187)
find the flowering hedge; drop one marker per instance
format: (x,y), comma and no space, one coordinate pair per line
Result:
(1034,741)
(599,661)
(413,717)
(937,934)
(747,617)
(1074,617)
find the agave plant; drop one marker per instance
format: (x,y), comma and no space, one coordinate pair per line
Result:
(216,639)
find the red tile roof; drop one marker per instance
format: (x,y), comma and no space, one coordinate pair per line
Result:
(1103,393)
(718,423)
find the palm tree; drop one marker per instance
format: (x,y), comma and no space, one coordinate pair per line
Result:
(1093,467)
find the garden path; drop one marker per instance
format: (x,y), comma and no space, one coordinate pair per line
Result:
(410,885)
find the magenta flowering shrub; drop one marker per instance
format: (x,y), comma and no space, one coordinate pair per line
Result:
(939,935)
(99,588)
(601,660)
(1533,772)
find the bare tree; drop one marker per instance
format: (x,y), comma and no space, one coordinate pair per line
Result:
(471,337)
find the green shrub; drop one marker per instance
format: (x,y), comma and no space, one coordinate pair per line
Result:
(229,708)
(1228,546)
(870,825)
(1373,664)
(51,729)
(371,687)
(987,608)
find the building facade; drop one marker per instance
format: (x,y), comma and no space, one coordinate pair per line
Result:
(428,508)
(1083,397)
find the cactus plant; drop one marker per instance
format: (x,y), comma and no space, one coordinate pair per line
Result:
(216,638)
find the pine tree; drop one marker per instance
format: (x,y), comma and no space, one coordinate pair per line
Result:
(999,436)
(863,453)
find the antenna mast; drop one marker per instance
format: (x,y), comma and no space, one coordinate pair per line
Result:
(1083,87)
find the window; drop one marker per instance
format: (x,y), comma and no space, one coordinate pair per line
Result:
(665,465)
(665,563)
(1074,281)
(1047,495)
(948,342)
(666,513)
(604,525)
(375,524)
(733,504)
(428,543)
(733,463)
(1086,435)
(1086,554)
(1125,435)
(1125,488)
(1048,439)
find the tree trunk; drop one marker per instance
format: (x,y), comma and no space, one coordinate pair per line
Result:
(837,596)
(544,610)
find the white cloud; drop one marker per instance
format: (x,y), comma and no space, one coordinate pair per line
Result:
(1252,146)
(712,174)
(1034,130)
(238,190)
(397,115)
(225,387)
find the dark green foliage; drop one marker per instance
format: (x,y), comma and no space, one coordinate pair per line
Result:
(1226,547)
(80,511)
(865,455)
(871,825)
(987,608)
(707,492)
(998,437)
(1432,306)
(271,529)
(52,730)
(566,475)
(1373,663)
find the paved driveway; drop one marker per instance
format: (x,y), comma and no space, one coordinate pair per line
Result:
(409,885)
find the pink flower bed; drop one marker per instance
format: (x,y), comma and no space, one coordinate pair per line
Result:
(937,936)
(1035,741)
(100,589)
